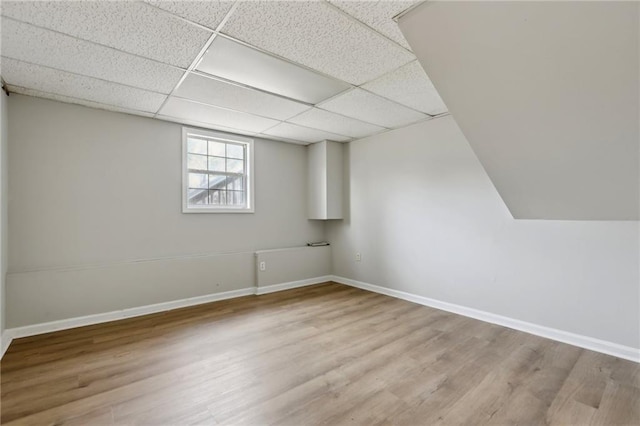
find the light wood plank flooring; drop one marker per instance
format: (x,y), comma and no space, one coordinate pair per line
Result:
(327,354)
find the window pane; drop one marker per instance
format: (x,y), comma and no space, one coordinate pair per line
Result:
(216,164)
(238,198)
(235,166)
(198,162)
(216,148)
(214,197)
(235,151)
(217,182)
(197,180)
(197,146)
(235,183)
(197,197)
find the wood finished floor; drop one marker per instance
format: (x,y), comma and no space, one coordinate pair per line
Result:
(327,354)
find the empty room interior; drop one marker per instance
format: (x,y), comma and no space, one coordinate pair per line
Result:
(320,212)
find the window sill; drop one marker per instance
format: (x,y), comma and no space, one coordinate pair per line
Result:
(215,210)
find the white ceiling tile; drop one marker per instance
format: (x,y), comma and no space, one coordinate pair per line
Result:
(317,35)
(237,62)
(70,100)
(378,15)
(409,86)
(133,27)
(227,95)
(280,139)
(303,134)
(196,123)
(182,108)
(57,82)
(330,122)
(52,49)
(368,107)
(208,13)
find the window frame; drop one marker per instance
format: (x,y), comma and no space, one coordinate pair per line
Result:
(249,174)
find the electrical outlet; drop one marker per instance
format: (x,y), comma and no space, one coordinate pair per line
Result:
(263,266)
(358,257)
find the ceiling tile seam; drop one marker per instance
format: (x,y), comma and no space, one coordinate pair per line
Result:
(246,86)
(181,18)
(407,10)
(250,114)
(86,76)
(353,18)
(282,58)
(389,72)
(395,102)
(107,107)
(269,128)
(405,125)
(369,122)
(281,139)
(320,130)
(199,56)
(335,113)
(227,16)
(344,92)
(95,43)
(189,122)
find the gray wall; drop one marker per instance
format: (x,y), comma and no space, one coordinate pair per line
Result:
(428,221)
(95,190)
(547,94)
(4,187)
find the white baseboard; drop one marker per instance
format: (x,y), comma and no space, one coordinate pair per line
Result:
(65,324)
(47,327)
(597,345)
(293,284)
(5,341)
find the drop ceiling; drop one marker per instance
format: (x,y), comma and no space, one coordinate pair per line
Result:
(295,71)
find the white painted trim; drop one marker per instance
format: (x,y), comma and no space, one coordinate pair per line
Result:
(47,327)
(293,284)
(65,324)
(5,341)
(586,342)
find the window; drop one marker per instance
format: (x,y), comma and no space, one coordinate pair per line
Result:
(217,172)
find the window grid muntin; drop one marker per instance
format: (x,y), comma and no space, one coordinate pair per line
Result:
(241,194)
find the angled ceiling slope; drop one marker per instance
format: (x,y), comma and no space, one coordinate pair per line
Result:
(547,94)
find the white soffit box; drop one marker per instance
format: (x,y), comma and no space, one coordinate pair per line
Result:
(240,63)
(228,95)
(547,94)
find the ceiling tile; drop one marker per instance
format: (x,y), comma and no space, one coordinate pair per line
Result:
(196,123)
(52,49)
(378,15)
(317,35)
(237,62)
(57,82)
(129,26)
(227,95)
(303,134)
(368,107)
(330,122)
(208,13)
(70,100)
(182,108)
(409,86)
(280,139)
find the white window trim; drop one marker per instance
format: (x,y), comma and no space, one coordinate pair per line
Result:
(185,173)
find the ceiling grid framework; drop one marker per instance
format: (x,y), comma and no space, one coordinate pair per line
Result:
(298,72)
